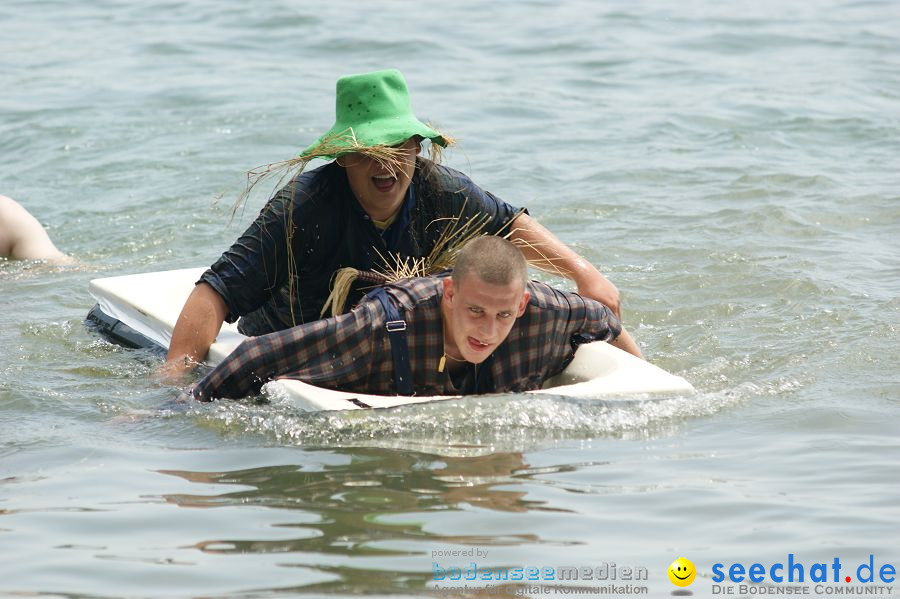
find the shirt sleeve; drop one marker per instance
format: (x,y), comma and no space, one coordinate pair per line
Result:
(256,264)
(334,353)
(598,321)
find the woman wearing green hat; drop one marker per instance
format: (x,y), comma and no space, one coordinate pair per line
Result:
(376,200)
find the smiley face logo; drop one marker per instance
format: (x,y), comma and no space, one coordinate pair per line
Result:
(682,572)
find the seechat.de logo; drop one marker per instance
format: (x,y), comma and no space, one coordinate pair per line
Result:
(682,572)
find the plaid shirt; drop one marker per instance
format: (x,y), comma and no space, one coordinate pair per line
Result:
(352,352)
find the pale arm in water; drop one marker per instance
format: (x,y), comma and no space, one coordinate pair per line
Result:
(23,238)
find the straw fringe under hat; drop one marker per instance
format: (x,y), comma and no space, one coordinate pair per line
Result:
(372,112)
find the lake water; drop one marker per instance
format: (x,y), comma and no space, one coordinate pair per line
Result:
(733,168)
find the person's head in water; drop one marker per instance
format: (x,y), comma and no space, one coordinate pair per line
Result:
(483,298)
(375,138)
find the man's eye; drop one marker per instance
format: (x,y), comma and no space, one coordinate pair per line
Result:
(504,314)
(475,311)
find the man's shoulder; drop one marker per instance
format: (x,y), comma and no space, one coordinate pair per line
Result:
(415,291)
(543,296)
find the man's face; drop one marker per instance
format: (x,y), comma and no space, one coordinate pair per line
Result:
(478,316)
(378,189)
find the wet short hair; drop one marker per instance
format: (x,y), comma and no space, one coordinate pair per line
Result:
(493,259)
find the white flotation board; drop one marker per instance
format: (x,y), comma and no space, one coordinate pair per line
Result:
(149,304)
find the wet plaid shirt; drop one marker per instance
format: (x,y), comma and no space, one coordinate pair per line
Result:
(352,352)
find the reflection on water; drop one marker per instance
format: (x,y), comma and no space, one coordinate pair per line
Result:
(352,500)
(372,499)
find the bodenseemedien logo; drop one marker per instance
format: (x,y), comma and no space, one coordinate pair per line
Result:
(682,572)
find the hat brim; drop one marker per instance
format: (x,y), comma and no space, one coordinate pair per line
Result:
(340,140)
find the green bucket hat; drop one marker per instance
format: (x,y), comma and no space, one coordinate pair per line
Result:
(372,109)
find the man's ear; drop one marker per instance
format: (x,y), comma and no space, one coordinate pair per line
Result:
(525,297)
(448,289)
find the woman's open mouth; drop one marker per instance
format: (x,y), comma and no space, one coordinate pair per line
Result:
(383,183)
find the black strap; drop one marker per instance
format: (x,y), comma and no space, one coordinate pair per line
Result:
(396,330)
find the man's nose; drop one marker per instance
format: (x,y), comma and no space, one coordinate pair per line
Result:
(487,328)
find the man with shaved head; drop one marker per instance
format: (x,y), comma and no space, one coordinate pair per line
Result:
(484,329)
